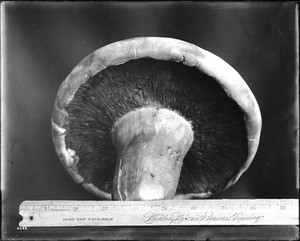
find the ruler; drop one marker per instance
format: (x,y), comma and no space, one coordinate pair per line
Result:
(160,213)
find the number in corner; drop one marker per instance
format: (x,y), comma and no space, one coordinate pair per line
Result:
(21,228)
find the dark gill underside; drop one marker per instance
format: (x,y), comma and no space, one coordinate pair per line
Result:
(220,145)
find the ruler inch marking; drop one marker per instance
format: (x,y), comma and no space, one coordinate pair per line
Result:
(57,213)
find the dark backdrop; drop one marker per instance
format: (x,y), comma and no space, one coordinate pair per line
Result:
(42,43)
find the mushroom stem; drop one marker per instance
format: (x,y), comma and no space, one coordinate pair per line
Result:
(151,144)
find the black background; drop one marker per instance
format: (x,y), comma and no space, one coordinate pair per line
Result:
(42,43)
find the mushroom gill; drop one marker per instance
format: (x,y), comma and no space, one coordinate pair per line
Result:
(152,128)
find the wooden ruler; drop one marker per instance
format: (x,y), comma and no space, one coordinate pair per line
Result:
(160,213)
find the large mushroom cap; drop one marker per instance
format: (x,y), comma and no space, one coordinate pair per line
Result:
(159,73)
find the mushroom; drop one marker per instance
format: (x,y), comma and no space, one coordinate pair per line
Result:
(155,118)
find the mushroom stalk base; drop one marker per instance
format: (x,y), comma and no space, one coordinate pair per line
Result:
(151,144)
